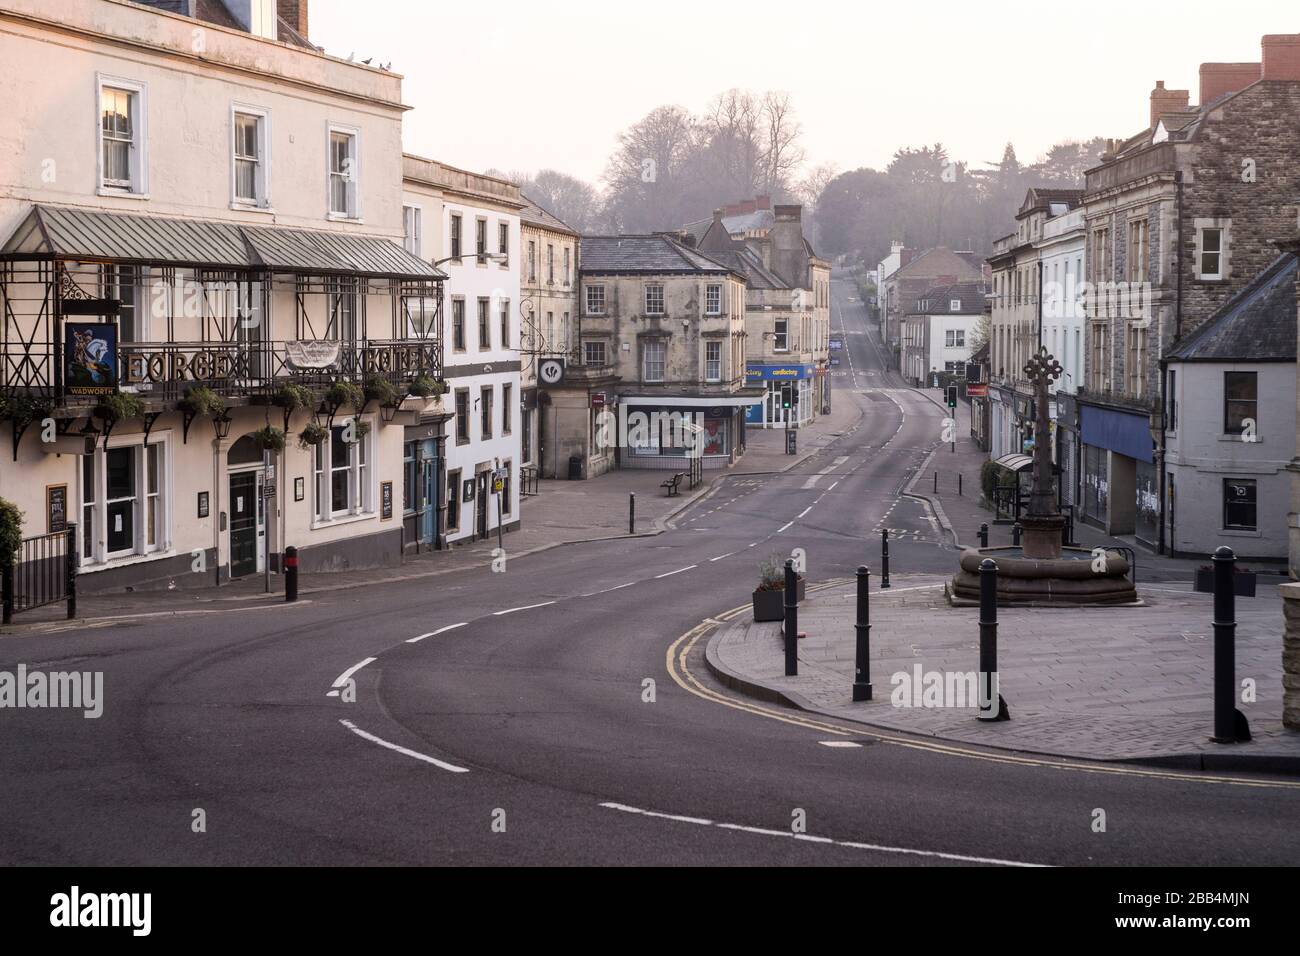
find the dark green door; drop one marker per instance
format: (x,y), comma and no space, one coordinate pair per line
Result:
(243,524)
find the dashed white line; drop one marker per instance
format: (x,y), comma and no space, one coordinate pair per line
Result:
(808,838)
(526,607)
(669,574)
(783,527)
(804,512)
(838,743)
(721,556)
(441,630)
(344,677)
(832,487)
(617,587)
(451,767)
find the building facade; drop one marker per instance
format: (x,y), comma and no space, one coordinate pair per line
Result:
(207,351)
(669,322)
(939,330)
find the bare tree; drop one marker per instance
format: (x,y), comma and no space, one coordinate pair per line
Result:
(782,155)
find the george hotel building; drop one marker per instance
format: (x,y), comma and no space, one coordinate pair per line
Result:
(213,340)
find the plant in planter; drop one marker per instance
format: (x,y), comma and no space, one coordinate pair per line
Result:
(426,386)
(769,596)
(22,410)
(269,438)
(11,532)
(292,397)
(203,402)
(345,393)
(119,407)
(313,434)
(381,390)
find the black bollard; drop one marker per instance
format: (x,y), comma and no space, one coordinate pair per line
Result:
(290,574)
(988,686)
(1230,724)
(984,535)
(936,482)
(791,621)
(884,557)
(1015,535)
(631,513)
(862,656)
(959,484)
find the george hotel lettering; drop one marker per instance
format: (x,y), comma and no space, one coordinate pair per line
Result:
(406,359)
(170,366)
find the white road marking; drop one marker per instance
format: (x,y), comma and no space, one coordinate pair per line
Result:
(617,587)
(804,512)
(441,630)
(526,607)
(838,743)
(343,678)
(669,574)
(808,838)
(402,750)
(832,487)
(812,481)
(721,556)
(784,526)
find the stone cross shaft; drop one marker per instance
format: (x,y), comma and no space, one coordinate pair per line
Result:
(1041,369)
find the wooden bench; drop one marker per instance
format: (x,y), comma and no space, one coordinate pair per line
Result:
(673,484)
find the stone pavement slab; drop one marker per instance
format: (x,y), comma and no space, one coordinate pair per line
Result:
(1128,683)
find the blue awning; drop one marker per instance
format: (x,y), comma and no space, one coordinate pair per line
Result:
(1121,432)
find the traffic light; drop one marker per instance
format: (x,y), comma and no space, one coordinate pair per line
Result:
(787,395)
(952,396)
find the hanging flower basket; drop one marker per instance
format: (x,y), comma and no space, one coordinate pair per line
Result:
(425,386)
(203,402)
(383,391)
(313,434)
(292,397)
(345,393)
(269,438)
(119,407)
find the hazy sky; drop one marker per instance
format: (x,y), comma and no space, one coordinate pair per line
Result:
(528,85)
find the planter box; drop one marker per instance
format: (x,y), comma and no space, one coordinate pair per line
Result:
(770,605)
(1243,582)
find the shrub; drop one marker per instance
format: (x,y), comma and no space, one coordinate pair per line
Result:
(119,407)
(345,393)
(381,390)
(201,400)
(11,531)
(269,438)
(425,386)
(994,475)
(291,397)
(313,434)
(771,574)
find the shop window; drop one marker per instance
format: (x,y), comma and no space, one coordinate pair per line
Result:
(1239,504)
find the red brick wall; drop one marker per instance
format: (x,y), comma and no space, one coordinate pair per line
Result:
(1220,78)
(1282,57)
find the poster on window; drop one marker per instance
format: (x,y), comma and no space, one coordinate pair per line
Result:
(715,436)
(90,358)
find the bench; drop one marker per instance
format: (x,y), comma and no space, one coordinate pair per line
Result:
(673,484)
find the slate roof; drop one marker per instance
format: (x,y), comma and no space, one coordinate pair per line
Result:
(537,216)
(1258,324)
(644,254)
(940,298)
(746,263)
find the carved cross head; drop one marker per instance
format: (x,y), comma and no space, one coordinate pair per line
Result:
(1043,367)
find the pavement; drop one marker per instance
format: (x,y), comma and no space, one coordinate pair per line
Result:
(1112,684)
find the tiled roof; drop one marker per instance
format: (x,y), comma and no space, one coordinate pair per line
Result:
(644,254)
(537,216)
(746,262)
(940,299)
(1258,324)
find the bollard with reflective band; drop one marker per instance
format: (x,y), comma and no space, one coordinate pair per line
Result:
(290,573)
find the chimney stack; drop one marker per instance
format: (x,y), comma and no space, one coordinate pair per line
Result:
(1218,79)
(1282,57)
(1167,101)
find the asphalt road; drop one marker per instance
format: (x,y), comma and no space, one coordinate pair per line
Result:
(553,713)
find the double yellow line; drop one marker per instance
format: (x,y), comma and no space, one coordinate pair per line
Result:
(677,662)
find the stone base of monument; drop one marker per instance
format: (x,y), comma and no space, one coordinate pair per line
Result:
(1072,580)
(1041,535)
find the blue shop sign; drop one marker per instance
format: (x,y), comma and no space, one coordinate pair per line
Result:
(756,372)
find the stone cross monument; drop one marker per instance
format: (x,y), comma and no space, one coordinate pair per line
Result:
(1044,522)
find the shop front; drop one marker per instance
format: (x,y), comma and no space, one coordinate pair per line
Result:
(782,385)
(1121,494)
(667,433)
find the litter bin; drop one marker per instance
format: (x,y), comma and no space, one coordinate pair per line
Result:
(575,468)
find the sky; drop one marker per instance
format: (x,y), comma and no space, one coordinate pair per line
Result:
(523,86)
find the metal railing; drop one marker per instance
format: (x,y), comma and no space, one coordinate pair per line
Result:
(44,571)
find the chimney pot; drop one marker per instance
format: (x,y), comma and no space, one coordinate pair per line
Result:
(1167,101)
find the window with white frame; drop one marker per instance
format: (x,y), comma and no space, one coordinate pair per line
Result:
(480,241)
(122,500)
(532,260)
(550,264)
(567,265)
(505,323)
(780,335)
(412,229)
(595,300)
(653,353)
(654,299)
(341,470)
(1211,251)
(344,173)
(954,305)
(251,164)
(955,338)
(121,136)
(713,361)
(593,353)
(454,234)
(503,242)
(713,300)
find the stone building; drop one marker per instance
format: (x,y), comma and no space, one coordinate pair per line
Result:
(918,272)
(787,306)
(939,332)
(669,322)
(161,285)
(1179,219)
